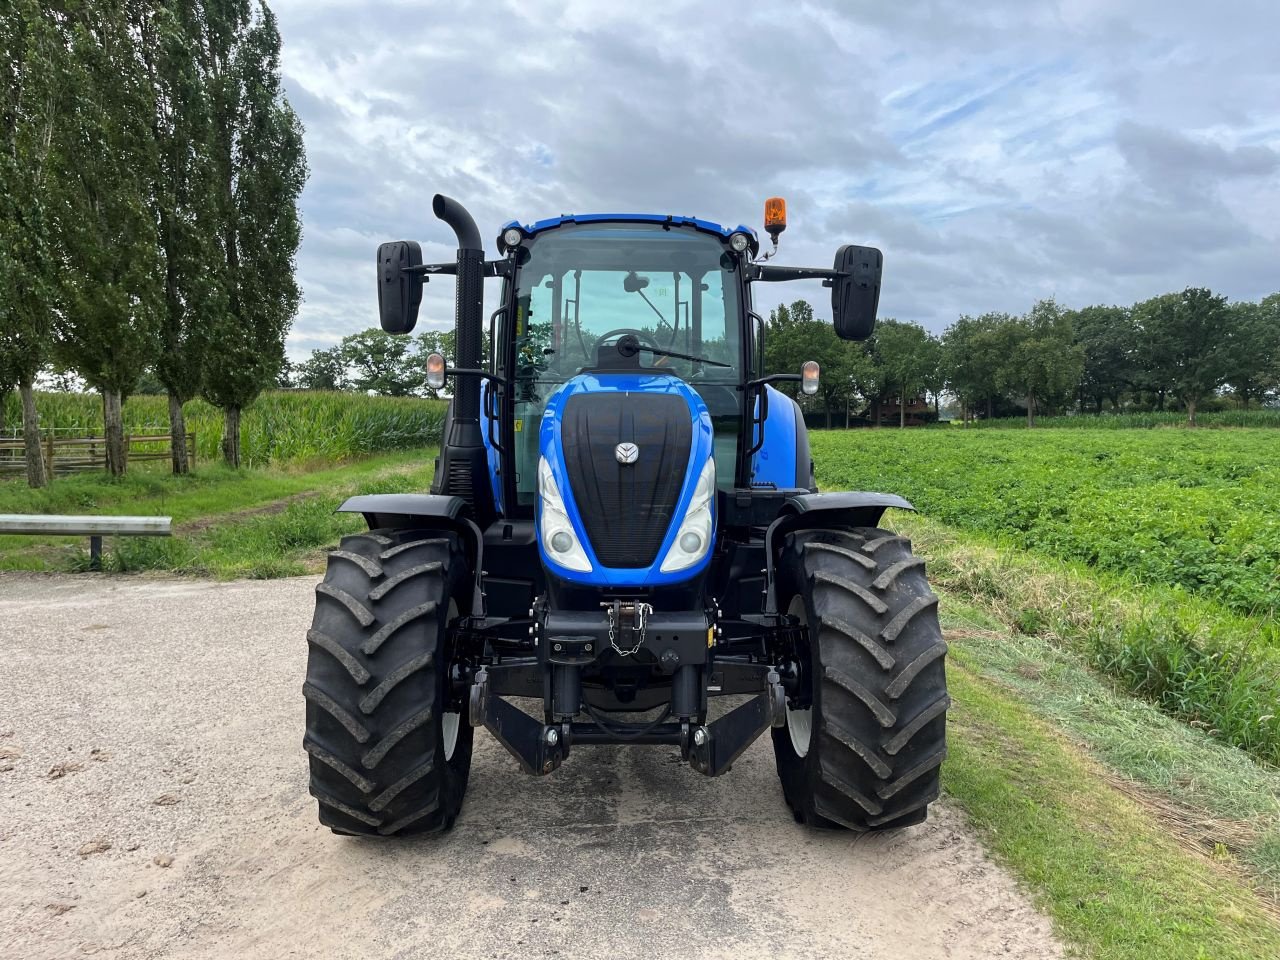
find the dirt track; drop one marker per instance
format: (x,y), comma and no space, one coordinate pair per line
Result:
(152,722)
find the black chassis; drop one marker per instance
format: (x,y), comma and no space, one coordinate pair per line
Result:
(528,637)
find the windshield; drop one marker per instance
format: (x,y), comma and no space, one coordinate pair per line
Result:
(581,287)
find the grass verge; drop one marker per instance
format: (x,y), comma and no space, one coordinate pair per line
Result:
(1116,883)
(250,523)
(1192,658)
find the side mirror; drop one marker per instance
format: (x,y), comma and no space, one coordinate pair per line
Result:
(855,294)
(399,293)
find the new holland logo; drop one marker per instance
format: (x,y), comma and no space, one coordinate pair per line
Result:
(626,452)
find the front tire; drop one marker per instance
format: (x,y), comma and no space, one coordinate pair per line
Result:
(867,753)
(389,752)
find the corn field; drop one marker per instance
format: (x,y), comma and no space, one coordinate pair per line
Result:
(282,426)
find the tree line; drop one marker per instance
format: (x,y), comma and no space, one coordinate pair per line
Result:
(150,168)
(1174,351)
(372,361)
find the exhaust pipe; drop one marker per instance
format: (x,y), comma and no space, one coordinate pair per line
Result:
(463,468)
(455,215)
(469,310)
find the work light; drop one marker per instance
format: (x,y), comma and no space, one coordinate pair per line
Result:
(739,242)
(512,236)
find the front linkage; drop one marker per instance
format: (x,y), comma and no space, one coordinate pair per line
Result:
(688,650)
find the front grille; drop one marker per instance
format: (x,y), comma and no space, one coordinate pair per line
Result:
(626,508)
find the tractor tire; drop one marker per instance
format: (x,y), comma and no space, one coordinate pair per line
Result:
(389,752)
(867,754)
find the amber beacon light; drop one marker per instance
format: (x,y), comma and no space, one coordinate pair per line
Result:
(775,217)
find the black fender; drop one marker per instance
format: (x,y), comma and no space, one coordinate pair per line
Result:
(822,511)
(412,511)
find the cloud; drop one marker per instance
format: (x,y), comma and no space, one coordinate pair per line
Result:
(996,152)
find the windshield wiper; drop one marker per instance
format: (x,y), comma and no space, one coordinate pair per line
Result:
(629,345)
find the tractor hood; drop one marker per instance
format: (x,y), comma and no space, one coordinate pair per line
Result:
(626,481)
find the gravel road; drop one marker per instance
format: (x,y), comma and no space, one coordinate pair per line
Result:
(153,804)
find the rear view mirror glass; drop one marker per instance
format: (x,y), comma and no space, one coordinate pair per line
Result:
(399,292)
(855,294)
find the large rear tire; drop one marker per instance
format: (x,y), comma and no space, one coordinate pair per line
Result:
(867,754)
(389,752)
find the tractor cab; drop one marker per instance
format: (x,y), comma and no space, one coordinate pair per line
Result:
(623,525)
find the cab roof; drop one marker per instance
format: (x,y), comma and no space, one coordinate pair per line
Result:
(551,223)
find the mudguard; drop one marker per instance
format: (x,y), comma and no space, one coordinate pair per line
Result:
(823,511)
(403,511)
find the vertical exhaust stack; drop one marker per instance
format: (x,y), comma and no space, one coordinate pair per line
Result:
(463,467)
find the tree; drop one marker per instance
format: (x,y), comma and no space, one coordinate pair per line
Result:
(1187,351)
(1041,362)
(935,374)
(106,163)
(1252,348)
(971,359)
(382,363)
(183,204)
(1109,339)
(31,62)
(795,336)
(260,169)
(908,359)
(323,370)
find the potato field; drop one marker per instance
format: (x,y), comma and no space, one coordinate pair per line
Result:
(1196,510)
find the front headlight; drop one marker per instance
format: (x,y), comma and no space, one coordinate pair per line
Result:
(558,538)
(693,539)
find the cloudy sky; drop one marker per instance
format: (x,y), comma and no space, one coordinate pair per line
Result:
(1097,151)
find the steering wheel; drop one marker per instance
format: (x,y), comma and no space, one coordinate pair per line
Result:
(640,335)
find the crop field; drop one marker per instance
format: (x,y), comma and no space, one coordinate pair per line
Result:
(1255,417)
(284,426)
(1194,510)
(1170,540)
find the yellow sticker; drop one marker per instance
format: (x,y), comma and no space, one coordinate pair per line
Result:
(519,425)
(711,637)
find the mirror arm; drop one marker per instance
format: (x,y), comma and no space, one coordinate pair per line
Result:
(492,268)
(503,382)
(429,270)
(772,378)
(767,273)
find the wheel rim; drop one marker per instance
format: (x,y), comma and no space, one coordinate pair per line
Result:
(799,722)
(450,721)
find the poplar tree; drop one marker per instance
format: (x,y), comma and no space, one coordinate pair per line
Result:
(260,169)
(30,61)
(107,234)
(183,198)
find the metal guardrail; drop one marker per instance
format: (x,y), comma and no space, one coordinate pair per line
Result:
(95,528)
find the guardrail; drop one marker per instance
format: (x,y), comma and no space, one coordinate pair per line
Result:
(75,454)
(95,528)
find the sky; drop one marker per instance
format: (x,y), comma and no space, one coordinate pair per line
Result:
(998,152)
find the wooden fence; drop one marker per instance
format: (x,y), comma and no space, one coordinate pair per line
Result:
(67,454)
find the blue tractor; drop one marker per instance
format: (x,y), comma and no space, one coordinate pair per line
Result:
(623,527)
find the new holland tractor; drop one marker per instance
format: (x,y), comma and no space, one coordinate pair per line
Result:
(623,544)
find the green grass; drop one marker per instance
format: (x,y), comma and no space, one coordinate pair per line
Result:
(1198,511)
(1228,803)
(217,531)
(1116,883)
(281,426)
(1194,660)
